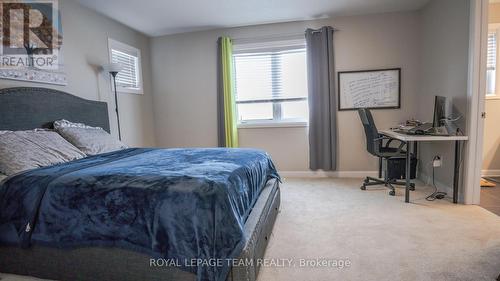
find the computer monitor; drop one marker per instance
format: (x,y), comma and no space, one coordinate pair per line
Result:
(439,112)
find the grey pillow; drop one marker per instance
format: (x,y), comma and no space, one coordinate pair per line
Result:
(25,150)
(2,177)
(90,140)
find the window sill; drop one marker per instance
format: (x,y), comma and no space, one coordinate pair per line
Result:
(493,97)
(121,90)
(257,125)
(129,91)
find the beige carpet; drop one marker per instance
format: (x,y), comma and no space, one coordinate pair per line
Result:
(382,237)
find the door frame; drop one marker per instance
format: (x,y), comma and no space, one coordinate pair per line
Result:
(476,86)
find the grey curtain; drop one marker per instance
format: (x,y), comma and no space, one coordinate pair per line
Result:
(221,126)
(322,101)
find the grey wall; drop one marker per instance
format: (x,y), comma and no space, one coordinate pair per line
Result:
(184,83)
(179,101)
(85,48)
(444,65)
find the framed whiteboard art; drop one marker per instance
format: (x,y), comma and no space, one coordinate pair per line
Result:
(373,89)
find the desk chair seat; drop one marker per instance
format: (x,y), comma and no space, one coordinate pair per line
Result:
(375,145)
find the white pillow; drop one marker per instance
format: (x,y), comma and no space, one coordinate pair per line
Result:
(90,140)
(63,123)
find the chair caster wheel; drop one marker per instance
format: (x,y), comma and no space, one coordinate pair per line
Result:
(392,193)
(412,187)
(363,187)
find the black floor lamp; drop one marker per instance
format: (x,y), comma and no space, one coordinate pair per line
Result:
(113,69)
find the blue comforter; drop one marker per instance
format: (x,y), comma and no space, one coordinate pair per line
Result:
(178,204)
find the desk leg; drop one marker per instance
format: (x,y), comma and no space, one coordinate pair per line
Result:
(408,170)
(456,171)
(380,167)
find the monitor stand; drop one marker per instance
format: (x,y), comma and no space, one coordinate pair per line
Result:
(438,131)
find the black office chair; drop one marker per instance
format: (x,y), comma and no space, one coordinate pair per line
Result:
(375,146)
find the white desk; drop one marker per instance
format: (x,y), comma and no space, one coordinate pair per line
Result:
(410,141)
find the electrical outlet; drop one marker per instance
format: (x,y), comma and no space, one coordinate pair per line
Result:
(437,162)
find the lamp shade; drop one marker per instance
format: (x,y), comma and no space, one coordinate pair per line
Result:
(112,67)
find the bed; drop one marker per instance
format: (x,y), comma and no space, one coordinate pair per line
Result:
(228,222)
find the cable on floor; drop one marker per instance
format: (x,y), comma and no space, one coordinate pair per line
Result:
(436,194)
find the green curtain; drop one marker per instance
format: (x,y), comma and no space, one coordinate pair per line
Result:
(227,114)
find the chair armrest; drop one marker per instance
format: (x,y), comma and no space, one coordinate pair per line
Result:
(402,144)
(382,138)
(391,139)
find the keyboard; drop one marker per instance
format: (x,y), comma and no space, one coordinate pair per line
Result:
(420,130)
(425,129)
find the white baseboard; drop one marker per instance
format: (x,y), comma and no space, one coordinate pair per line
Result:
(490,173)
(328,174)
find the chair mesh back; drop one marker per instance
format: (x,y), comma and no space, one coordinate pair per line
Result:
(371,132)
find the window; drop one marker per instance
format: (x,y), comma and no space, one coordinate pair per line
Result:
(492,75)
(271,84)
(129,78)
(491,63)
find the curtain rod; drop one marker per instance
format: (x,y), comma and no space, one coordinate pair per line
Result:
(279,36)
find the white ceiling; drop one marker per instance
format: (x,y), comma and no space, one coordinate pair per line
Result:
(161,17)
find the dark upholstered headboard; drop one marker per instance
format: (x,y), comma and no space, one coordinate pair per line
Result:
(26,108)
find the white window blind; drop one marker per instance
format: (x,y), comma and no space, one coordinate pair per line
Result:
(129,58)
(271,85)
(491,64)
(492,51)
(127,77)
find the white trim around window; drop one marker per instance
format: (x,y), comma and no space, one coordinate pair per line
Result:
(271,83)
(130,79)
(495,27)
(273,124)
